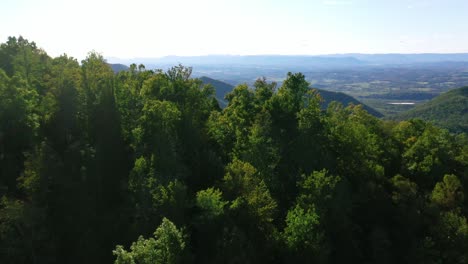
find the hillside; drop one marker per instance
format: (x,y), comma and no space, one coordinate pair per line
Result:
(344,99)
(117,67)
(448,110)
(221,89)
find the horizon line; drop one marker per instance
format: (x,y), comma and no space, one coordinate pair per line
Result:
(289,55)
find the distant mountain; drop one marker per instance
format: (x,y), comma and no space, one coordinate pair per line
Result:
(307,61)
(395,58)
(257,60)
(117,67)
(448,110)
(345,100)
(221,89)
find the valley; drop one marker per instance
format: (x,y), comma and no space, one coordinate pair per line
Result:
(379,81)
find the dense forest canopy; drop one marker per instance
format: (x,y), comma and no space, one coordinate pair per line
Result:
(143,166)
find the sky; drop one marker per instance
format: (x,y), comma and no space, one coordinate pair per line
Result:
(155,28)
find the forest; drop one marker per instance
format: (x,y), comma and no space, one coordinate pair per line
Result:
(448,110)
(143,166)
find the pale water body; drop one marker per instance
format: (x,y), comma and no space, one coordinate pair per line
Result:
(402,103)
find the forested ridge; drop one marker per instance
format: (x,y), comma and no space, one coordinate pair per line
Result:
(143,166)
(448,110)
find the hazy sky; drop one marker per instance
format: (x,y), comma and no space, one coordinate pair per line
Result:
(152,28)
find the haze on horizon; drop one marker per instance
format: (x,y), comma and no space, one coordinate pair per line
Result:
(155,28)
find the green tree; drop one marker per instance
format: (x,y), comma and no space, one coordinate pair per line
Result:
(448,194)
(18,127)
(244,187)
(317,190)
(211,203)
(251,212)
(20,57)
(168,246)
(303,236)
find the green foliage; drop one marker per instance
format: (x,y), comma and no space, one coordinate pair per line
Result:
(243,185)
(260,149)
(18,127)
(317,189)
(426,154)
(155,196)
(302,234)
(405,190)
(167,247)
(263,91)
(450,233)
(292,92)
(12,244)
(448,194)
(90,159)
(210,201)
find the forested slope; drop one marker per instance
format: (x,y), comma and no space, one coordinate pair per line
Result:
(91,160)
(448,110)
(344,99)
(221,89)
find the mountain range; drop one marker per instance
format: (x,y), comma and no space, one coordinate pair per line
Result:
(326,61)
